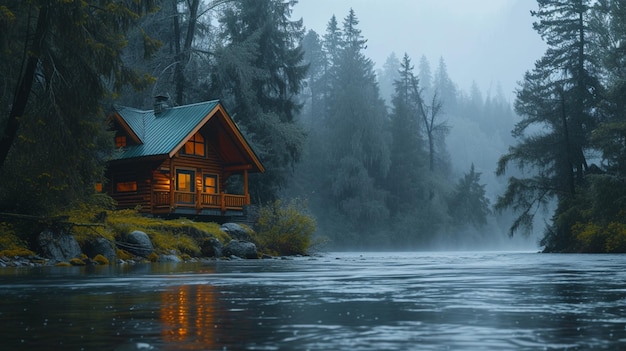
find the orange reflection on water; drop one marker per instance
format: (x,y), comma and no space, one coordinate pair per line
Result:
(188,317)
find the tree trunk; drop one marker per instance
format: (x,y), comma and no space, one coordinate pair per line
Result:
(569,166)
(182,56)
(431,151)
(581,162)
(24,86)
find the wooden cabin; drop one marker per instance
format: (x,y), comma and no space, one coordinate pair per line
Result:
(177,160)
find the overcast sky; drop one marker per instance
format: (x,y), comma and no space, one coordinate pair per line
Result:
(487,41)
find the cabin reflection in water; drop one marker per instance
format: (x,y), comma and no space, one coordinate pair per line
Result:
(188,316)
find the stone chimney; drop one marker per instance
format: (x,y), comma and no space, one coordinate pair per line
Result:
(160,104)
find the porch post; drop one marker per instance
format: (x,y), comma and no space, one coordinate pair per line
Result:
(245,186)
(172,177)
(223,202)
(198,199)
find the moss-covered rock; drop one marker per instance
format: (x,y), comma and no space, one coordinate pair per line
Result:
(77,262)
(100,259)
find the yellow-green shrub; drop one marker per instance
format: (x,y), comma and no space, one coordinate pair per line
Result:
(616,238)
(285,229)
(595,238)
(589,237)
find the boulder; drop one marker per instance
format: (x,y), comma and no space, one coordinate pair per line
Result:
(235,231)
(211,247)
(138,243)
(58,245)
(100,246)
(240,248)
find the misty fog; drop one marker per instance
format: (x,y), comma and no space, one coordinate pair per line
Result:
(485,48)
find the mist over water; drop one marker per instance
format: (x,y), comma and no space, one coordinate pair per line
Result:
(338,301)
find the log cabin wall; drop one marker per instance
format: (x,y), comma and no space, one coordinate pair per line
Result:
(161,182)
(137,175)
(161,177)
(210,164)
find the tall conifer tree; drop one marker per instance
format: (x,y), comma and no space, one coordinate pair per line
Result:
(559,95)
(355,131)
(258,72)
(58,61)
(408,169)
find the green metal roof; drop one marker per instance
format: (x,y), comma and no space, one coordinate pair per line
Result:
(161,133)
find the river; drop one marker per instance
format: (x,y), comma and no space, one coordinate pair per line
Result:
(336,301)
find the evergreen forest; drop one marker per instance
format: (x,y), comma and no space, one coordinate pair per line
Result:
(387,155)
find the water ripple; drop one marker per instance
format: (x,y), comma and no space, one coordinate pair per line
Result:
(339,301)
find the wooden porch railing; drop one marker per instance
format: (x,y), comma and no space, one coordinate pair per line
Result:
(199,201)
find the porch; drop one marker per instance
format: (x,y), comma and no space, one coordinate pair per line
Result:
(198,202)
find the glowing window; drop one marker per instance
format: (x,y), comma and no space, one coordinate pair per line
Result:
(210,184)
(195,146)
(124,187)
(99,187)
(120,141)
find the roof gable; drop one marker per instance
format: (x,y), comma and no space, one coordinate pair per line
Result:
(165,133)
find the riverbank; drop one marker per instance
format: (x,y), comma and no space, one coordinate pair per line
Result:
(95,234)
(38,261)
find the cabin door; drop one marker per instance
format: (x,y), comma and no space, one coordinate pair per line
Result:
(185,185)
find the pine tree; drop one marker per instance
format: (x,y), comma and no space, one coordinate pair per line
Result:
(387,76)
(444,88)
(598,208)
(355,133)
(332,44)
(407,171)
(59,60)
(425,77)
(468,203)
(559,96)
(258,73)
(333,41)
(610,25)
(317,63)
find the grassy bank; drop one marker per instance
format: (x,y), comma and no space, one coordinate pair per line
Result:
(284,229)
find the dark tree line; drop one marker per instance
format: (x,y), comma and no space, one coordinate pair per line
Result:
(570,138)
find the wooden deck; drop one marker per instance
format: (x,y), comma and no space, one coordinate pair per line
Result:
(164,203)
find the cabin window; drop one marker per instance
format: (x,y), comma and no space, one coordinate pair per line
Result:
(99,187)
(210,184)
(126,186)
(185,180)
(120,141)
(195,146)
